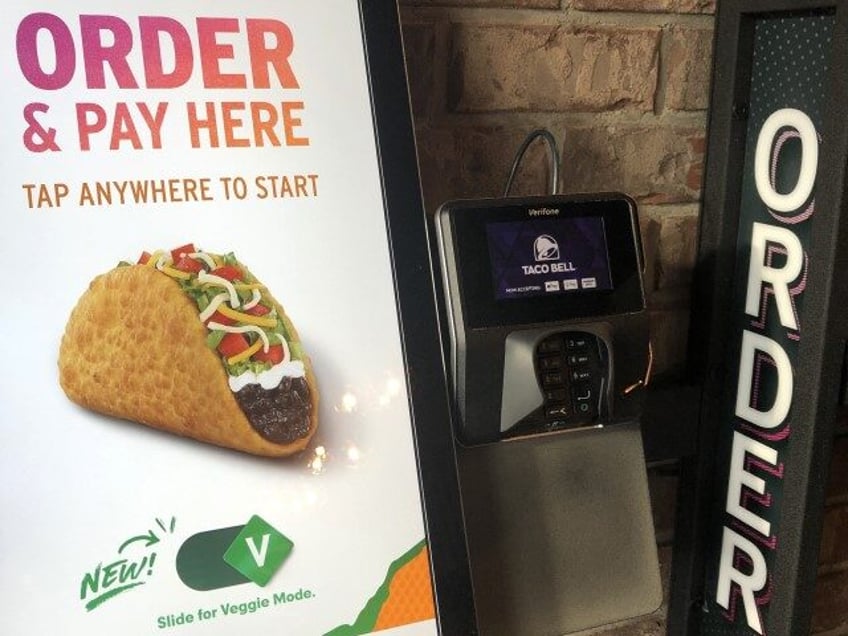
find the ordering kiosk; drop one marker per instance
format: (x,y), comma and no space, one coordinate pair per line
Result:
(548,348)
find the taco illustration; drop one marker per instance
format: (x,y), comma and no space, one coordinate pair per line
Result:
(192,343)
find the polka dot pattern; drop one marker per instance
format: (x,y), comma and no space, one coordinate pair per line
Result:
(790,65)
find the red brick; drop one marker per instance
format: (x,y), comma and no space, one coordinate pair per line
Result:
(837,485)
(658,6)
(475,162)
(688,63)
(649,163)
(552,68)
(675,249)
(830,604)
(655,164)
(439,164)
(669,337)
(834,542)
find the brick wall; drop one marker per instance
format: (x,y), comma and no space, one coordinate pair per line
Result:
(622,84)
(624,87)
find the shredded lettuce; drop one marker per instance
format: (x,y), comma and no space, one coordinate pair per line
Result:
(214,338)
(202,295)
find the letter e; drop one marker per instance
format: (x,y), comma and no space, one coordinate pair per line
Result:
(738,477)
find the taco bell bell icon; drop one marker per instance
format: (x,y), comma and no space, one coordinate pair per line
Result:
(545,248)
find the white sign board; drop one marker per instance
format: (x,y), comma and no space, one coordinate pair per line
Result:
(214,436)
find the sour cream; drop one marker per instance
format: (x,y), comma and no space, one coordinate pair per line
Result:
(268,379)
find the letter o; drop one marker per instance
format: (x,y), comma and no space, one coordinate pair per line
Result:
(791,118)
(63,46)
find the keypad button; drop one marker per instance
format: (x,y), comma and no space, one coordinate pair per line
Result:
(556,395)
(550,345)
(584,399)
(576,343)
(557,411)
(576,359)
(581,375)
(584,408)
(552,379)
(582,392)
(550,364)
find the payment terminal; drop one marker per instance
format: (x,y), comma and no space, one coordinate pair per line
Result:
(546,311)
(548,355)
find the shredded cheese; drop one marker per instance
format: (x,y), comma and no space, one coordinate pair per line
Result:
(286,351)
(244,355)
(211,279)
(174,273)
(249,319)
(153,261)
(206,258)
(250,304)
(242,329)
(206,314)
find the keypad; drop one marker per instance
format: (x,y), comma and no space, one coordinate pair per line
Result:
(572,369)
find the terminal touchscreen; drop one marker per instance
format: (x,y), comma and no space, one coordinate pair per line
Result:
(546,312)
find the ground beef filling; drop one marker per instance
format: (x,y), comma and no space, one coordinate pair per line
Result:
(281,415)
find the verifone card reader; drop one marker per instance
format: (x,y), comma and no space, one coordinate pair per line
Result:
(548,347)
(546,310)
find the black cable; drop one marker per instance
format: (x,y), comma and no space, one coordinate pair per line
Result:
(554,157)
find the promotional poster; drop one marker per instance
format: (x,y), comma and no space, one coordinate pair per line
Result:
(206,427)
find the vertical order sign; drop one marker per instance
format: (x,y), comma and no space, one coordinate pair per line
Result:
(777,207)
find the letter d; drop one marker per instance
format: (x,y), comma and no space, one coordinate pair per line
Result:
(773,417)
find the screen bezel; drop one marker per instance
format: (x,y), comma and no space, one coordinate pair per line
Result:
(416,307)
(482,308)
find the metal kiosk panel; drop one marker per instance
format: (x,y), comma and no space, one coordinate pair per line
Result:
(768,327)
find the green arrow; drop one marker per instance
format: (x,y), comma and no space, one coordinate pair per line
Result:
(149,538)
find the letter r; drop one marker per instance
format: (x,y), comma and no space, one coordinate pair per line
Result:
(748,584)
(760,272)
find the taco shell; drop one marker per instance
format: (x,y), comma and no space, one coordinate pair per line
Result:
(135,349)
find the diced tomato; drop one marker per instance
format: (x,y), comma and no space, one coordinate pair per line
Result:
(221,319)
(232,344)
(228,272)
(188,264)
(274,355)
(177,252)
(145,256)
(258,310)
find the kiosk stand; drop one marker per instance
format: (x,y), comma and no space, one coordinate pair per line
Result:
(549,355)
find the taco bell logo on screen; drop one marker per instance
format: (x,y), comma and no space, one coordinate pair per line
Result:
(546,248)
(548,255)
